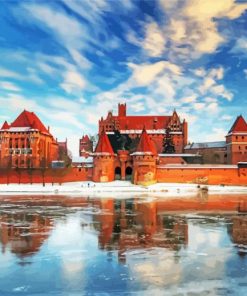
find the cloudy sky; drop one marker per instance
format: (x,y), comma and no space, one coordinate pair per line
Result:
(72,61)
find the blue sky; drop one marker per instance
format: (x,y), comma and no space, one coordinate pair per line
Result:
(72,61)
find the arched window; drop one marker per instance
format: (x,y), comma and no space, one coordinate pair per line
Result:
(128,173)
(117,173)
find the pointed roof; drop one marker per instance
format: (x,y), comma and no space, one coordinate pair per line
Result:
(104,145)
(5,125)
(85,138)
(146,145)
(29,119)
(239,125)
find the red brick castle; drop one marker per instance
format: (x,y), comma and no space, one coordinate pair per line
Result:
(156,126)
(26,142)
(143,149)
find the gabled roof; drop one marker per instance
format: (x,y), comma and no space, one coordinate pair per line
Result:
(146,145)
(104,145)
(239,125)
(5,125)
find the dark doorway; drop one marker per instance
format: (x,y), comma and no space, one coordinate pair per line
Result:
(128,173)
(117,173)
(216,158)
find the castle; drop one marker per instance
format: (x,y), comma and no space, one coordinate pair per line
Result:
(130,127)
(143,149)
(133,147)
(27,143)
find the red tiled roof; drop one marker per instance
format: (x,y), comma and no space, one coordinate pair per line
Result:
(85,138)
(5,125)
(239,125)
(146,144)
(137,122)
(29,119)
(104,145)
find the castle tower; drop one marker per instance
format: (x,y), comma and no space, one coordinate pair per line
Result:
(85,146)
(122,110)
(26,143)
(103,160)
(144,160)
(236,141)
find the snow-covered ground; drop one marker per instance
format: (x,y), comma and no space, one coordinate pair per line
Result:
(117,188)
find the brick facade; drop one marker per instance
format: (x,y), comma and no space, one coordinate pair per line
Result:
(27,143)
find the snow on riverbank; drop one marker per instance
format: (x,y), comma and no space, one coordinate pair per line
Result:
(117,188)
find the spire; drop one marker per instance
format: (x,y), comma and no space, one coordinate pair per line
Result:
(239,125)
(104,145)
(5,125)
(146,145)
(175,115)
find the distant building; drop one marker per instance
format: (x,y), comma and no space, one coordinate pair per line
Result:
(85,146)
(63,147)
(236,141)
(231,151)
(82,161)
(211,152)
(131,126)
(26,142)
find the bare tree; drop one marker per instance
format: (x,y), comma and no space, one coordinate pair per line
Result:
(30,170)
(43,169)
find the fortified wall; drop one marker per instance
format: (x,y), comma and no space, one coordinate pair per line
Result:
(207,175)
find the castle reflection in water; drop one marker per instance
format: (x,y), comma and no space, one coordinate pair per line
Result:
(121,224)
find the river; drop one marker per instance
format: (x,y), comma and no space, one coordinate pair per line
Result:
(145,245)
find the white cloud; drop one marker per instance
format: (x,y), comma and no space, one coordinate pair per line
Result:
(221,91)
(227,117)
(154,42)
(9,74)
(9,86)
(191,27)
(200,72)
(30,76)
(189,99)
(213,107)
(68,117)
(73,82)
(45,67)
(207,84)
(137,107)
(218,134)
(210,100)
(65,28)
(144,74)
(90,11)
(198,106)
(240,46)
(65,104)
(210,84)
(80,60)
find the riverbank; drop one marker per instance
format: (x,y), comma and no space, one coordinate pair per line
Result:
(120,187)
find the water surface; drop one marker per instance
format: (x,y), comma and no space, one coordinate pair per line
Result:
(54,245)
